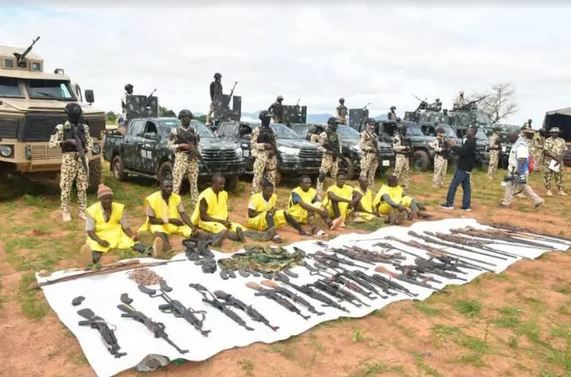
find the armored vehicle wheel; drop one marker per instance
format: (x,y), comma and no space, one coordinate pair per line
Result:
(95,172)
(117,169)
(347,166)
(421,160)
(165,171)
(232,183)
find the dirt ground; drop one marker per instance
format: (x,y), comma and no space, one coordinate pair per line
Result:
(517,323)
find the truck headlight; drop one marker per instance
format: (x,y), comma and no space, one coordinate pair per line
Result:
(239,151)
(289,150)
(6,150)
(96,149)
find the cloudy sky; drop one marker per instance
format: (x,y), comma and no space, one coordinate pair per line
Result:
(317,51)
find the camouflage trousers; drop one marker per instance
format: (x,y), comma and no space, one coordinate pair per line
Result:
(265,163)
(440,168)
(538,157)
(369,165)
(183,165)
(548,174)
(329,165)
(493,164)
(72,170)
(402,170)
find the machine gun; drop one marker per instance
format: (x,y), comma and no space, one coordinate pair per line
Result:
(157,328)
(107,334)
(423,104)
(470,105)
(21,58)
(248,309)
(148,98)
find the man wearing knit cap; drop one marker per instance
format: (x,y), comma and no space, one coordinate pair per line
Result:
(107,228)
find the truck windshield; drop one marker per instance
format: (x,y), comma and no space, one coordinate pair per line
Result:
(9,87)
(168,124)
(283,132)
(50,89)
(412,129)
(347,133)
(448,131)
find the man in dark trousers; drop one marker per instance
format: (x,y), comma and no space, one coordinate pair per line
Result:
(466,162)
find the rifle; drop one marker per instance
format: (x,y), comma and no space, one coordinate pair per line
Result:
(157,328)
(249,309)
(149,97)
(365,107)
(270,294)
(498,237)
(20,58)
(219,305)
(533,233)
(470,243)
(79,147)
(320,256)
(176,308)
(107,334)
(292,296)
(335,290)
(297,104)
(406,278)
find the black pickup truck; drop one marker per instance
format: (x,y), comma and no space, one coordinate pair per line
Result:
(143,151)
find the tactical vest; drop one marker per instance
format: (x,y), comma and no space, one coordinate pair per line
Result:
(188,136)
(443,152)
(332,142)
(342,110)
(266,135)
(69,133)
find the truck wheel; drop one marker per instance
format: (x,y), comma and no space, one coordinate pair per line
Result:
(348,167)
(117,169)
(421,160)
(95,172)
(232,183)
(165,171)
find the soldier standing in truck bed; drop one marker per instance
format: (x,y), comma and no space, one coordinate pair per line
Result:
(402,152)
(183,141)
(392,115)
(277,109)
(495,149)
(331,148)
(459,102)
(342,111)
(264,150)
(215,90)
(123,118)
(75,141)
(369,145)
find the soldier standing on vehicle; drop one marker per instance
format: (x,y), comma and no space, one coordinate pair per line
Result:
(459,102)
(331,148)
(215,90)
(553,153)
(264,150)
(75,141)
(123,118)
(402,151)
(277,109)
(440,146)
(495,149)
(392,115)
(183,141)
(369,145)
(342,111)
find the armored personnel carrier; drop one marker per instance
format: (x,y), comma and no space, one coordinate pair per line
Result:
(32,103)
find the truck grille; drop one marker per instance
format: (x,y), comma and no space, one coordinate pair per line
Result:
(39,127)
(216,155)
(9,128)
(310,153)
(43,152)
(386,150)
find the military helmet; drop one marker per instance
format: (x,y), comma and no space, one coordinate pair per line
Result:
(497,128)
(280,98)
(341,99)
(217,75)
(461,93)
(73,108)
(332,121)
(265,115)
(440,130)
(393,108)
(128,87)
(185,113)
(526,129)
(370,121)
(554,130)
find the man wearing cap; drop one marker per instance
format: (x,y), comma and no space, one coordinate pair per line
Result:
(369,145)
(215,90)
(107,228)
(277,110)
(440,146)
(73,136)
(553,152)
(183,141)
(264,150)
(342,111)
(331,147)
(495,149)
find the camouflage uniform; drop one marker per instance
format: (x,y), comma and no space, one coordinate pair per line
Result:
(370,157)
(536,150)
(440,161)
(329,161)
(342,114)
(495,148)
(71,165)
(402,165)
(265,160)
(185,162)
(557,147)
(215,90)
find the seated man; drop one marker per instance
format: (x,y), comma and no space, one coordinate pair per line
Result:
(106,227)
(166,216)
(390,201)
(363,197)
(211,213)
(303,204)
(263,216)
(339,201)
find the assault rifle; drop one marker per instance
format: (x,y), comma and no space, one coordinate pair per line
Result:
(336,290)
(321,256)
(270,294)
(157,328)
(494,237)
(406,278)
(230,300)
(107,334)
(79,146)
(290,295)
(530,233)
(470,243)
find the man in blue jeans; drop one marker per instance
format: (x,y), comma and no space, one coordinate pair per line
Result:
(466,161)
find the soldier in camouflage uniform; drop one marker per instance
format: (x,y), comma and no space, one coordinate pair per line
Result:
(554,150)
(536,149)
(215,90)
(277,110)
(264,150)
(183,141)
(67,136)
(331,148)
(440,147)
(342,111)
(368,143)
(495,149)
(402,151)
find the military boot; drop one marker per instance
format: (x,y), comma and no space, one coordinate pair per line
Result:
(562,193)
(548,193)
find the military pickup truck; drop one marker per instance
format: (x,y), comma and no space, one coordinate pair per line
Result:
(295,155)
(143,151)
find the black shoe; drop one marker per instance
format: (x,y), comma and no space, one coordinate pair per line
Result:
(446,206)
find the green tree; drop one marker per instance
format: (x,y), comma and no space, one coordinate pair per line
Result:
(110,117)
(164,112)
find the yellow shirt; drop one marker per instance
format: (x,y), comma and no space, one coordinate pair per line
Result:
(217,205)
(345,192)
(366,200)
(156,206)
(294,209)
(259,204)
(110,231)
(395,193)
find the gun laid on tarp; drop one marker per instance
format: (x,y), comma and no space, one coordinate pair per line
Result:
(248,309)
(156,328)
(471,243)
(105,330)
(291,295)
(499,238)
(271,294)
(516,229)
(176,308)
(336,290)
(209,298)
(515,238)
(406,278)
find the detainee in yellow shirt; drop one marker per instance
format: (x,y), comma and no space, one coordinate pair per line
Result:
(339,201)
(304,203)
(390,197)
(363,198)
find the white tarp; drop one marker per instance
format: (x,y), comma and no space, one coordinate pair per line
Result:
(102,295)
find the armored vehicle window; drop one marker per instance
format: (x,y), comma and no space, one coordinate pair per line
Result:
(9,87)
(226,129)
(412,129)
(151,128)
(244,130)
(448,131)
(36,67)
(9,63)
(50,89)
(347,133)
(168,124)
(135,128)
(282,132)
